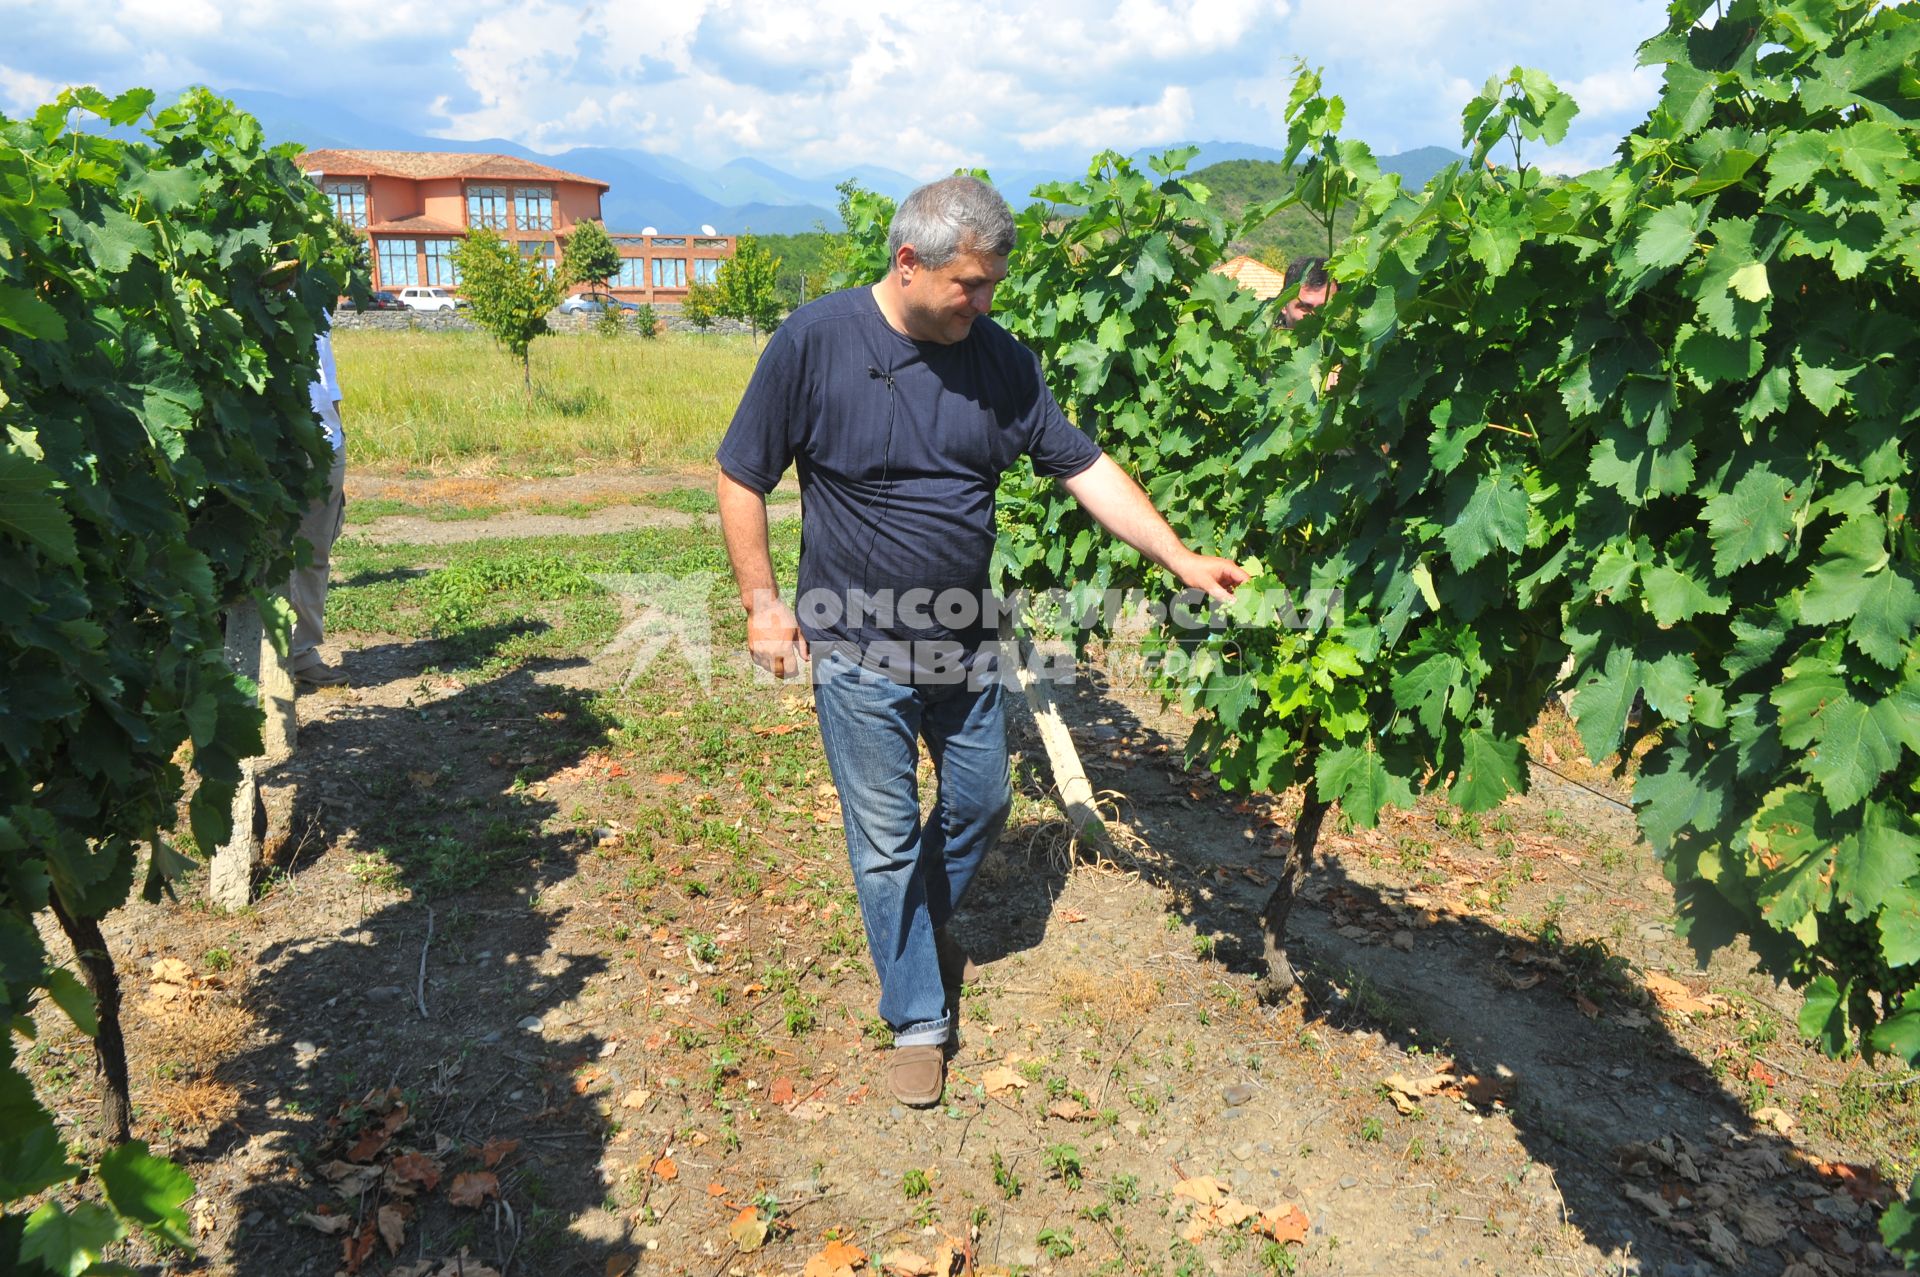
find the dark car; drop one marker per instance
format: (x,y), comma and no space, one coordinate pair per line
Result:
(594,304)
(382,300)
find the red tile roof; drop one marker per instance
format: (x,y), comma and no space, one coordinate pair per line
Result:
(420,165)
(1256,277)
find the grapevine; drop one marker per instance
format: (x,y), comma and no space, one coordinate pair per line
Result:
(158,305)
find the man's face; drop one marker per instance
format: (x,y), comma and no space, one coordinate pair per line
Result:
(943,301)
(1309,300)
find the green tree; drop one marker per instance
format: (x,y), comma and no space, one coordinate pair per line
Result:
(702,305)
(749,287)
(591,255)
(509,295)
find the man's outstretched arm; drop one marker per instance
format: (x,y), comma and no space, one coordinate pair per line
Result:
(1116,501)
(773,635)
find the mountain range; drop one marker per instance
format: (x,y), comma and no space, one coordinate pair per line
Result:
(647,189)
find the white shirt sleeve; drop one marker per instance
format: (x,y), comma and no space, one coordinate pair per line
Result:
(328,386)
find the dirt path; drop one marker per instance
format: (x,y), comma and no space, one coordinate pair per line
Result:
(602,501)
(579,994)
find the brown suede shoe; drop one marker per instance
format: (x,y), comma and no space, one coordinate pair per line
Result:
(917,1075)
(956,968)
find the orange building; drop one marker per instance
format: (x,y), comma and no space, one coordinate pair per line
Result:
(414,206)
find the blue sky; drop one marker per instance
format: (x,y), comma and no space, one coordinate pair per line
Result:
(920,86)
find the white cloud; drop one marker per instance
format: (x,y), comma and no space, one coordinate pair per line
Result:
(1617,90)
(22,92)
(915,85)
(1120,127)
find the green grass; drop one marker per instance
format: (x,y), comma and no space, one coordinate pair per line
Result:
(419,400)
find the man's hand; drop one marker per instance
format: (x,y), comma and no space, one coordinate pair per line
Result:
(1216,576)
(774,639)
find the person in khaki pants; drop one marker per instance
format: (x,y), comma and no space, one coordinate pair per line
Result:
(307,587)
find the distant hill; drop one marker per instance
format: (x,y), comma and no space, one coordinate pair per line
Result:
(1237,183)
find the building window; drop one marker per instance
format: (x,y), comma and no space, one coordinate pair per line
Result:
(632,273)
(706,270)
(540,249)
(349,201)
(440,267)
(399,262)
(669,241)
(709,243)
(629,241)
(487,207)
(669,272)
(533,208)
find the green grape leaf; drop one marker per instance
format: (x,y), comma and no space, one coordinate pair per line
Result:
(1491,513)
(73,997)
(1900,1223)
(1357,778)
(1852,553)
(1887,617)
(1672,595)
(30,511)
(1874,863)
(32,1157)
(148,1190)
(1427,687)
(1899,923)
(1823,1016)
(1666,236)
(1754,519)
(30,316)
(1490,769)
(70,1244)
(1856,747)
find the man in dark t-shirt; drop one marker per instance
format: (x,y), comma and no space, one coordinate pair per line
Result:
(900,405)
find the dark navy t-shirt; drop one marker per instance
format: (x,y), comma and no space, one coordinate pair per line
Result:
(899,446)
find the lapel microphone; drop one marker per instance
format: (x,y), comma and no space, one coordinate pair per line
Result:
(877,375)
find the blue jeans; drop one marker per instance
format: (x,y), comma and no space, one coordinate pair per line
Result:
(910,873)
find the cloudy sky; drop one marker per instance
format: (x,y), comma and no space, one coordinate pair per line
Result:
(813,85)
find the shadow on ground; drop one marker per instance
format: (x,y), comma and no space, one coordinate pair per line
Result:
(1651,1154)
(406,1024)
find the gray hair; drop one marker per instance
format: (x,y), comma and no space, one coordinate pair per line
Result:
(953,215)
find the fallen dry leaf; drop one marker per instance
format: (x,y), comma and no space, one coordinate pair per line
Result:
(331,1225)
(670,778)
(778,729)
(357,1249)
(811,1111)
(1000,1079)
(417,1168)
(1069,1111)
(620,1265)
(1070,915)
(1779,1119)
(1284,1224)
(748,1229)
(393,1228)
(907,1264)
(1232,1213)
(1675,996)
(716,1189)
(665,1170)
(835,1259)
(1204,1189)
(1198,1225)
(171,971)
(471,1188)
(636,1099)
(781,1092)
(493,1150)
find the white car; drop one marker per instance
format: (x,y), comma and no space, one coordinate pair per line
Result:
(427,299)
